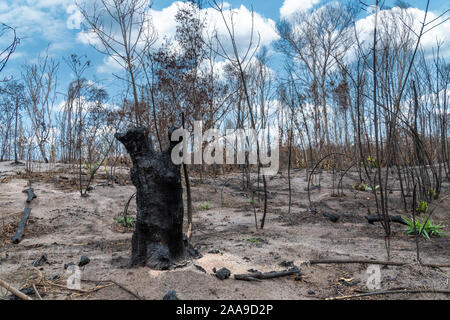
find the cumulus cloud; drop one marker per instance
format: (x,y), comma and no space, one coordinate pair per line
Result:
(75,17)
(37,20)
(263,28)
(165,26)
(164,20)
(290,7)
(109,65)
(413,17)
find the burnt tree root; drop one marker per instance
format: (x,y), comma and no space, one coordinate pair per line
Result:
(157,241)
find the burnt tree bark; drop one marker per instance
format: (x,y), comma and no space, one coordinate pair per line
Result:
(31,194)
(157,240)
(21,226)
(376,218)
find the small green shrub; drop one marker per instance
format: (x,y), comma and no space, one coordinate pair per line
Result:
(364,187)
(251,201)
(372,161)
(422,207)
(126,221)
(428,229)
(204,206)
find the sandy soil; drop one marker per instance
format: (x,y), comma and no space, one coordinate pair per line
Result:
(65,227)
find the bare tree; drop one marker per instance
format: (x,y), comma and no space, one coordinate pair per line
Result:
(123,31)
(314,40)
(40,88)
(13,102)
(239,63)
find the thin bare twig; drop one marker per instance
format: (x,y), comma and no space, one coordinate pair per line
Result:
(13,290)
(374,293)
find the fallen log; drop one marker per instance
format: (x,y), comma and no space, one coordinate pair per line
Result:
(21,226)
(14,291)
(31,194)
(371,218)
(258,276)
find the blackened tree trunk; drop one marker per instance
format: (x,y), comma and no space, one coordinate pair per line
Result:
(158,236)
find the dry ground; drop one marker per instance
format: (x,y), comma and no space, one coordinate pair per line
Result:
(65,226)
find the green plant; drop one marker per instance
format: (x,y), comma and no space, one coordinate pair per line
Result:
(364,187)
(251,201)
(92,167)
(369,188)
(433,193)
(204,206)
(372,161)
(422,207)
(126,221)
(426,229)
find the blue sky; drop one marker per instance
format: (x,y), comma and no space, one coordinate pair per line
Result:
(45,24)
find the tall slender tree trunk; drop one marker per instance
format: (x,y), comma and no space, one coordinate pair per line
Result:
(16,160)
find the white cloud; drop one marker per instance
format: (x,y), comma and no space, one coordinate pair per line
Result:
(109,65)
(263,28)
(164,20)
(75,17)
(165,25)
(3,6)
(49,3)
(42,21)
(290,7)
(30,21)
(413,18)
(88,37)
(18,55)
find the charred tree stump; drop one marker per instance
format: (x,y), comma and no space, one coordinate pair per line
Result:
(157,240)
(21,226)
